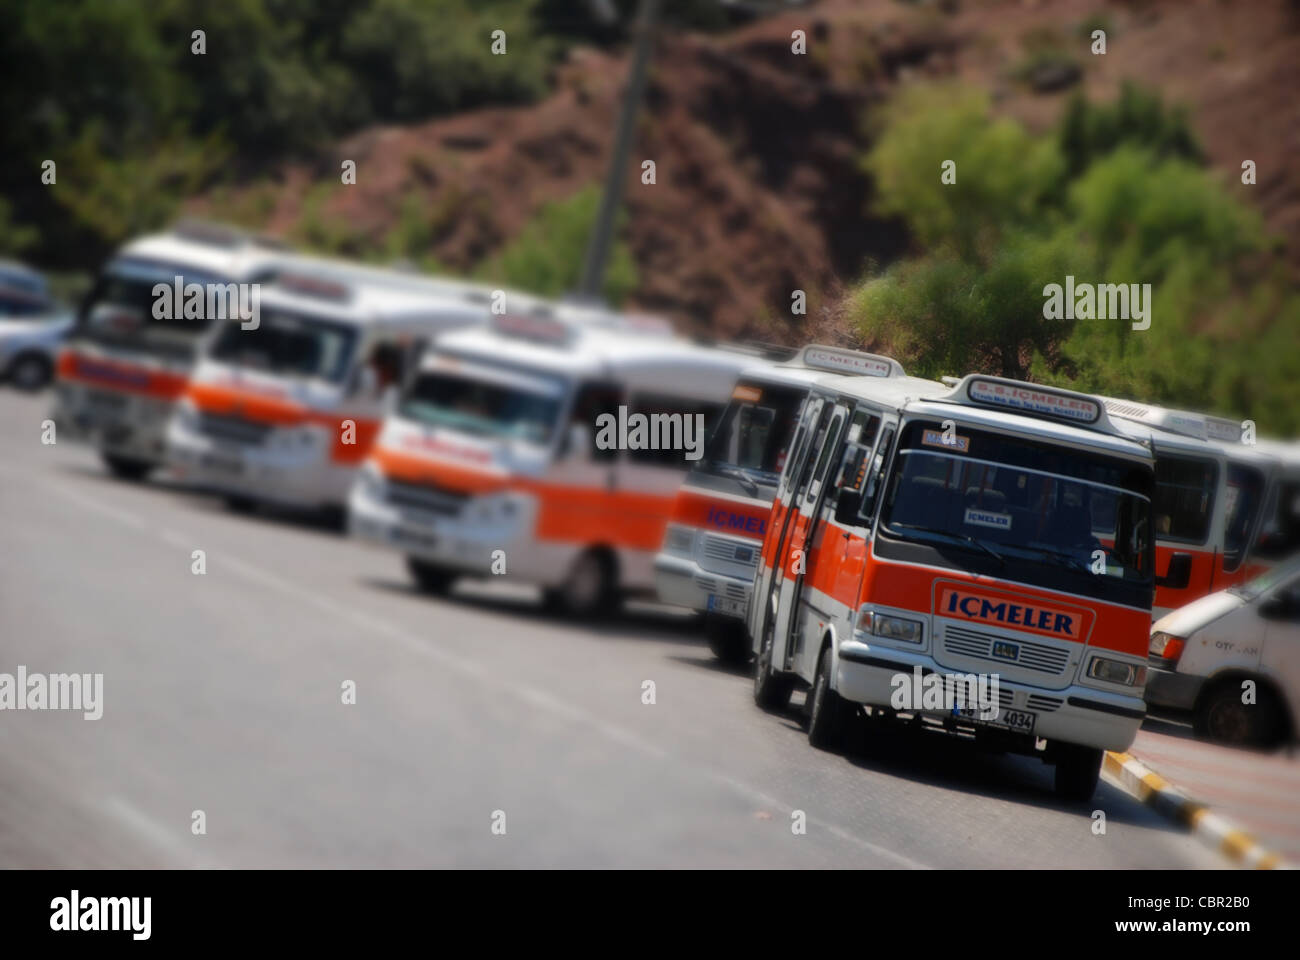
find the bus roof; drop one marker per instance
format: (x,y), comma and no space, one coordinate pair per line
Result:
(1063,416)
(359,304)
(579,342)
(1187,423)
(223,260)
(817,363)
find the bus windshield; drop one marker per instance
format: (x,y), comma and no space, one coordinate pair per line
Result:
(119,310)
(753,435)
(1035,506)
(482,407)
(288,344)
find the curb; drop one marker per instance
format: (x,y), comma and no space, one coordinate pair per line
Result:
(1143,783)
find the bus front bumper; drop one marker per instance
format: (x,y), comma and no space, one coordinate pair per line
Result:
(113,421)
(682,581)
(477,538)
(864,673)
(303,478)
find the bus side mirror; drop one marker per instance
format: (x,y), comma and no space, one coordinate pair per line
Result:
(1179,574)
(846,507)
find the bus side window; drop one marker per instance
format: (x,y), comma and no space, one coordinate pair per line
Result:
(846,496)
(876,475)
(593,398)
(674,432)
(829,439)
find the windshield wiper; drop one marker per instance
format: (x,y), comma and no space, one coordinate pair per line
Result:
(960,537)
(737,474)
(1062,559)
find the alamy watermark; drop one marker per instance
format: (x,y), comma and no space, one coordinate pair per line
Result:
(54,691)
(971,693)
(1107,301)
(212,301)
(651,431)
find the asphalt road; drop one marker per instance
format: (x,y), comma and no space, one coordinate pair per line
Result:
(223,693)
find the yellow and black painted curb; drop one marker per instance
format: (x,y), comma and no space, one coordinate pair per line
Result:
(1139,781)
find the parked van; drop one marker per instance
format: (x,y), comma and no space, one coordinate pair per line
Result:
(285,413)
(719,518)
(1233,660)
(993,535)
(497,457)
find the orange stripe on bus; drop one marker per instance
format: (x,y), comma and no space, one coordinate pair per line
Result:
(260,408)
(568,514)
(115,375)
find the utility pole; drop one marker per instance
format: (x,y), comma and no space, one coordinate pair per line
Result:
(602,232)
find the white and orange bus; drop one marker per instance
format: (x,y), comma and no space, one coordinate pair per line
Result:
(1209,504)
(493,459)
(122,368)
(989,531)
(719,518)
(286,412)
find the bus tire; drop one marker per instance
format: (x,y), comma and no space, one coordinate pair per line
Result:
(237,504)
(1221,717)
(771,690)
(1077,770)
(589,588)
(127,468)
(728,639)
(828,712)
(429,577)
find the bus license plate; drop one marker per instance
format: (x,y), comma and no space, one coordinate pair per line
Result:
(726,605)
(1017,721)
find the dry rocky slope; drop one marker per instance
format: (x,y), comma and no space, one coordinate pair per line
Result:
(759,186)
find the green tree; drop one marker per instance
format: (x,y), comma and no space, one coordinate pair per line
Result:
(1004,177)
(547,255)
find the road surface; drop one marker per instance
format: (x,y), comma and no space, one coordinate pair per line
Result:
(223,693)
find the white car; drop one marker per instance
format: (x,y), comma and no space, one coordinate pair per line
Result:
(31,329)
(1233,659)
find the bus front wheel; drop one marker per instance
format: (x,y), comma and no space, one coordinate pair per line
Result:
(127,468)
(429,577)
(771,690)
(1077,770)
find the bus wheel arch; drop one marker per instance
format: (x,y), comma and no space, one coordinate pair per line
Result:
(828,713)
(590,585)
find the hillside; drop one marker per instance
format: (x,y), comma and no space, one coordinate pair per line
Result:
(759,187)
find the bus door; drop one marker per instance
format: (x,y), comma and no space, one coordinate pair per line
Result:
(805,503)
(1187,507)
(835,557)
(812,422)
(1247,490)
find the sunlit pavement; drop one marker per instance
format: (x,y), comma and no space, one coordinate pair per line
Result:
(1259,792)
(222,693)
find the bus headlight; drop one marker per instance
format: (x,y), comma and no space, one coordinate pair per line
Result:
(1117,671)
(679,539)
(886,627)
